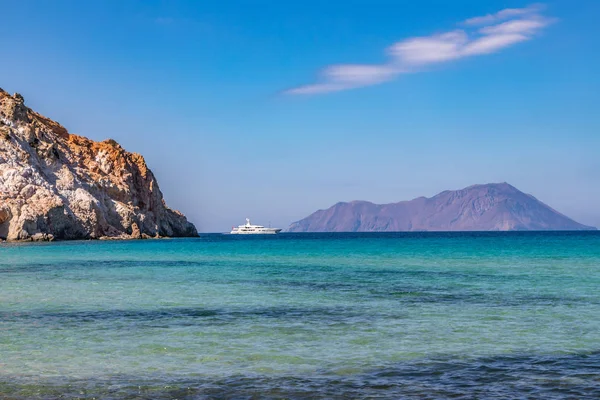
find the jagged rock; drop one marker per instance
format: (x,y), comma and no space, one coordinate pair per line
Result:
(56,185)
(135,231)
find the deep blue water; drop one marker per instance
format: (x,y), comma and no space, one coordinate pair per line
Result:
(378,315)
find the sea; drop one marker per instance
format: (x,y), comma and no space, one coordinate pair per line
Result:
(303,316)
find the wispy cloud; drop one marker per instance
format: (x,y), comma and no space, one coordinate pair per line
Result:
(507,13)
(485,35)
(340,77)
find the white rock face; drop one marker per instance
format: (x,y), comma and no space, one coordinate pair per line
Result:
(56,185)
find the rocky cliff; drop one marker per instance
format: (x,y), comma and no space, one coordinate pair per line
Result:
(491,207)
(56,185)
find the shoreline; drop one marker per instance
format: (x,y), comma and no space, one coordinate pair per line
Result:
(100,239)
(372,234)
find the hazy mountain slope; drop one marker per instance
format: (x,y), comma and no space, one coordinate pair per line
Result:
(490,207)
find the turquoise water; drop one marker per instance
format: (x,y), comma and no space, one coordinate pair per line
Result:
(431,315)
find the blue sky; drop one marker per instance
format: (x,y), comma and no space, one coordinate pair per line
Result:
(273,109)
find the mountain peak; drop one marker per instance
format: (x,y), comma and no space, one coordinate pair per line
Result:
(495,185)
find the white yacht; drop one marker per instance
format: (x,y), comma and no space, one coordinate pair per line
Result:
(249,229)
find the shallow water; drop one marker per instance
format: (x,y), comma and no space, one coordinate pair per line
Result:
(429,315)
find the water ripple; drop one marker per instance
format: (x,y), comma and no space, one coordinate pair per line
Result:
(519,376)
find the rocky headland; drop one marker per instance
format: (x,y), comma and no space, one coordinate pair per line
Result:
(57,185)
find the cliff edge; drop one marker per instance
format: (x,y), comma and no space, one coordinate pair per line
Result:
(57,185)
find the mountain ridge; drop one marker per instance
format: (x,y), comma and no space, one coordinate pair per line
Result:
(479,207)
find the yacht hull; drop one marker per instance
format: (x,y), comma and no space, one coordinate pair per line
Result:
(258,232)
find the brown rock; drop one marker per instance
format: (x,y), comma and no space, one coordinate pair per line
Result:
(5,214)
(135,231)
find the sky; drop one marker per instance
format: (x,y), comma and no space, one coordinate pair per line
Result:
(273,110)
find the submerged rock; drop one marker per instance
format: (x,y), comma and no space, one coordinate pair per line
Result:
(57,185)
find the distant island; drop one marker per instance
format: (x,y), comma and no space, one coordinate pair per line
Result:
(489,207)
(56,185)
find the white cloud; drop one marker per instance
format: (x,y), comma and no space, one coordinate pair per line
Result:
(341,77)
(516,26)
(429,49)
(414,53)
(507,13)
(491,44)
(363,74)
